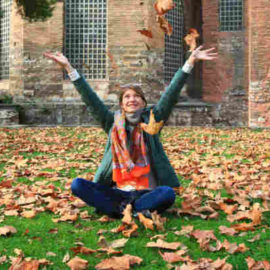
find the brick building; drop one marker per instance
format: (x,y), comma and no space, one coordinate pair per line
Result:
(101,39)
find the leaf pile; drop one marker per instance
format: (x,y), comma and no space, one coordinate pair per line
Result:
(225,177)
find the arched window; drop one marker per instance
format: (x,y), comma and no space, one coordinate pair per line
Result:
(231,15)
(86,36)
(174,50)
(5,11)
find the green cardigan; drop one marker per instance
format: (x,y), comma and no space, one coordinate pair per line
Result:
(162,170)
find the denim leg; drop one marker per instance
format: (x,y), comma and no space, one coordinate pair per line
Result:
(159,199)
(105,199)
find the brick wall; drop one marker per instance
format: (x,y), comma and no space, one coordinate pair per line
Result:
(259,65)
(137,58)
(224,79)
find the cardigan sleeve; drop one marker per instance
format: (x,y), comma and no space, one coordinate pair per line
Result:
(94,104)
(169,98)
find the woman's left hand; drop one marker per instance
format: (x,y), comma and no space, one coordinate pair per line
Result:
(199,54)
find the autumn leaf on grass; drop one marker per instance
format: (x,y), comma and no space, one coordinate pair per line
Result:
(147,222)
(146,33)
(83,250)
(118,263)
(253,265)
(105,219)
(163,6)
(243,227)
(190,39)
(186,230)
(227,231)
(256,214)
(233,247)
(3,259)
(127,218)
(28,214)
(228,209)
(132,231)
(6,230)
(204,237)
(77,264)
(172,257)
(158,221)
(162,244)
(165,26)
(152,127)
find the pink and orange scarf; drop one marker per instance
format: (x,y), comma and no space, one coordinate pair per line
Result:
(130,168)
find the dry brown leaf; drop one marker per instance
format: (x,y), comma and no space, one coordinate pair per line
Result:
(77,264)
(83,250)
(28,214)
(243,227)
(228,209)
(119,243)
(162,244)
(146,33)
(226,230)
(105,219)
(3,259)
(118,263)
(5,230)
(158,221)
(163,6)
(127,214)
(152,127)
(185,230)
(164,25)
(147,222)
(132,231)
(190,39)
(102,242)
(172,257)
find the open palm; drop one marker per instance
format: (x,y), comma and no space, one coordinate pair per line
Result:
(200,54)
(58,58)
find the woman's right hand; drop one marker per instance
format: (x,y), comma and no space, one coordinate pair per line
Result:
(60,59)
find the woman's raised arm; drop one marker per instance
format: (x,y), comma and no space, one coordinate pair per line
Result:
(94,104)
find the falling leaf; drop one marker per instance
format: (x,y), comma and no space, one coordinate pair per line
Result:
(190,39)
(163,6)
(165,26)
(118,263)
(77,264)
(152,127)
(146,33)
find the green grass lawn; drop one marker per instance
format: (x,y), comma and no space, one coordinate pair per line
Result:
(210,163)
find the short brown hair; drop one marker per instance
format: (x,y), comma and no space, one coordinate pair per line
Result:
(131,86)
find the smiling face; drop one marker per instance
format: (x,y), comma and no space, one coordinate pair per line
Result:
(132,101)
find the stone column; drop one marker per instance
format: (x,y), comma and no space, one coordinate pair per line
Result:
(259,63)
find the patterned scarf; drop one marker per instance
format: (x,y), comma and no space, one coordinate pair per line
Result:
(129,167)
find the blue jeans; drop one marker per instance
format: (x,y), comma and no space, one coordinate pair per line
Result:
(112,201)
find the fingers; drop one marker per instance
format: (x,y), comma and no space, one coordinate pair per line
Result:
(211,49)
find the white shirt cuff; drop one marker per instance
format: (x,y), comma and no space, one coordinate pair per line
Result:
(74,75)
(187,67)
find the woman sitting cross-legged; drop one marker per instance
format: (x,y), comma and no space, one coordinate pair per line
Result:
(135,169)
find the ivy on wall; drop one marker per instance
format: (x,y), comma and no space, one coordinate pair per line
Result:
(35,10)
